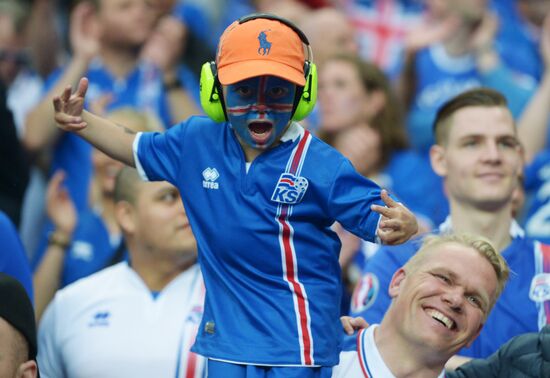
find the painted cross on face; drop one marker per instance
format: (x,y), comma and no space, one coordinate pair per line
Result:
(259,109)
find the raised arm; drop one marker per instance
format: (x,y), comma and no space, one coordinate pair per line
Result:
(40,129)
(62,213)
(533,122)
(114,140)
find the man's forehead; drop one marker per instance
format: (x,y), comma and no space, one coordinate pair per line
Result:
(157,186)
(482,120)
(442,254)
(455,258)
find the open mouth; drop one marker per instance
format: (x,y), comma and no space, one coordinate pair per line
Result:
(260,131)
(442,318)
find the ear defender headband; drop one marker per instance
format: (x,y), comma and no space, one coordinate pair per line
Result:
(211,94)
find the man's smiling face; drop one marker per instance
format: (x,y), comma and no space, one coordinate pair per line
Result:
(259,109)
(443,302)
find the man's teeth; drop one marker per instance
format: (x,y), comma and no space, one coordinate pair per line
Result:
(442,318)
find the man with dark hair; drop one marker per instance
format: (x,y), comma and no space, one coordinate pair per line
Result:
(478,155)
(17,331)
(481,97)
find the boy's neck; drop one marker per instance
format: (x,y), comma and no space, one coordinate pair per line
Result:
(250,153)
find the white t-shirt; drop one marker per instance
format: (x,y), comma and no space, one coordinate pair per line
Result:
(366,361)
(111,325)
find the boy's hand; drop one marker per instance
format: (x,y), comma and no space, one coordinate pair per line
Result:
(398,223)
(68,107)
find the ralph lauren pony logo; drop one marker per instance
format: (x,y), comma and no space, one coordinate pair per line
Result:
(290,189)
(265,45)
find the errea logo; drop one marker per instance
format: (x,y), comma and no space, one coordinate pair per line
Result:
(100,319)
(210,175)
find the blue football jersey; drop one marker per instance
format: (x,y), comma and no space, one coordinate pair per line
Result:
(268,255)
(517,41)
(513,314)
(537,186)
(439,77)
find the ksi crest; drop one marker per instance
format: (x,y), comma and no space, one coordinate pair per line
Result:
(540,288)
(290,189)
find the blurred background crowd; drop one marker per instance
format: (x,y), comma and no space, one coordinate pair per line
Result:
(385,67)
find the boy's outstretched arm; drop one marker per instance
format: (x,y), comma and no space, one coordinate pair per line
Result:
(398,223)
(114,140)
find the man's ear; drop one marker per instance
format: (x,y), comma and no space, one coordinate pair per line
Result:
(124,213)
(27,369)
(396,281)
(437,159)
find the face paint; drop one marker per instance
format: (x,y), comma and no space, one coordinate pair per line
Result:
(259,109)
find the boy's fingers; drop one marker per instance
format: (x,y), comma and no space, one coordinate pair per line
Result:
(82,87)
(66,93)
(390,224)
(67,119)
(385,211)
(387,199)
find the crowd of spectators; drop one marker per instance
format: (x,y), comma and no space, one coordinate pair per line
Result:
(385,69)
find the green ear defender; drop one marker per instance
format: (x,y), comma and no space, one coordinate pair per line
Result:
(212,97)
(211,100)
(308,95)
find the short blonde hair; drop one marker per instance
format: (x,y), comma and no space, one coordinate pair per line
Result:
(481,244)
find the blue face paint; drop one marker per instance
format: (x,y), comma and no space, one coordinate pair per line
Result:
(259,109)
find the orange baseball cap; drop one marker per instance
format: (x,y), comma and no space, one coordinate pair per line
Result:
(260,47)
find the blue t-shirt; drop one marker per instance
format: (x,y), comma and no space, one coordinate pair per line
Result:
(268,255)
(439,77)
(13,260)
(513,314)
(517,41)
